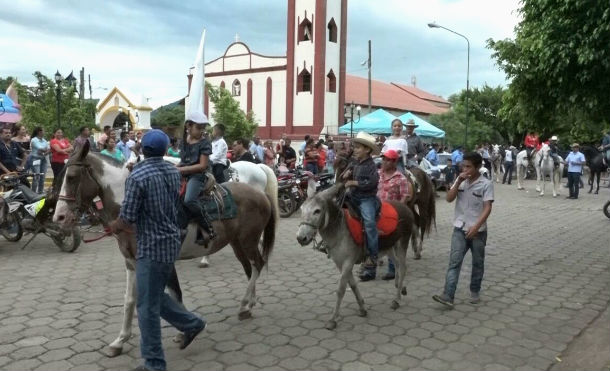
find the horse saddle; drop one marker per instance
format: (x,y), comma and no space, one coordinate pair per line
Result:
(410,175)
(216,199)
(387,222)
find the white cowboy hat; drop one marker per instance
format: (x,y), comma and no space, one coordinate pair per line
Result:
(554,137)
(411,123)
(367,140)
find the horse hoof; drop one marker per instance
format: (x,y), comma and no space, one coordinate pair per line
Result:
(362,313)
(403,291)
(204,265)
(596,192)
(112,352)
(417,256)
(394,305)
(179,338)
(244,315)
(331,325)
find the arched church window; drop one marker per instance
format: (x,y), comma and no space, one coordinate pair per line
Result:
(236,90)
(304,81)
(331,82)
(332,31)
(305,31)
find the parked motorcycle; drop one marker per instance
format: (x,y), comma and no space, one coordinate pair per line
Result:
(25,211)
(295,187)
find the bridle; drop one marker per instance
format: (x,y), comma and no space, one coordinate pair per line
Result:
(76,198)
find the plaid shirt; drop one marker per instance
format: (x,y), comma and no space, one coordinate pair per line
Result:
(393,187)
(151,197)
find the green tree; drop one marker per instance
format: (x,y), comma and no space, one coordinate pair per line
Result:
(39,107)
(168,116)
(559,66)
(4,83)
(227,112)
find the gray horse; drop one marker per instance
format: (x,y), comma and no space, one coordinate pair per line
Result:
(322,214)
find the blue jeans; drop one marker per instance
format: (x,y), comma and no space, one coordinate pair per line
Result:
(573,183)
(311,166)
(459,246)
(368,212)
(38,181)
(152,305)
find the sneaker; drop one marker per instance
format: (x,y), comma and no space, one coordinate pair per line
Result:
(443,299)
(190,336)
(475,298)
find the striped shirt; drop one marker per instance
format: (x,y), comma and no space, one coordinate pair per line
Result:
(151,197)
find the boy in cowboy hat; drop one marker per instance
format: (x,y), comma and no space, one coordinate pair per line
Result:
(364,196)
(415,147)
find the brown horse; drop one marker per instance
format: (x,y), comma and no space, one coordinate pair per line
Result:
(423,202)
(88,175)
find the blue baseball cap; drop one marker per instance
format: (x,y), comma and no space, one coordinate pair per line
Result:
(155,143)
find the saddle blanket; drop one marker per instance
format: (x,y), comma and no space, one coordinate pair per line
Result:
(386,224)
(217,209)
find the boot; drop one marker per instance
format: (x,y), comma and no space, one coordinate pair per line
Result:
(370,269)
(205,232)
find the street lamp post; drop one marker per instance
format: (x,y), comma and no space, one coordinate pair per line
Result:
(434,25)
(58,79)
(351,116)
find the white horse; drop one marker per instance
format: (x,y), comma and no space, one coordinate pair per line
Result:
(521,164)
(547,167)
(496,162)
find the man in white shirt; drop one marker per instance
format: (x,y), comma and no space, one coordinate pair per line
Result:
(219,153)
(576,161)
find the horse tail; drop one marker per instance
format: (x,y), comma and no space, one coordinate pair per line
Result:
(269,232)
(271,190)
(428,211)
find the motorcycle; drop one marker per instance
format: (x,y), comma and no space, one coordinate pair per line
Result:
(295,187)
(606,209)
(25,211)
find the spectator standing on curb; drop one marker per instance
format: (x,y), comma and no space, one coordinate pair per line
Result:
(474,194)
(60,151)
(509,160)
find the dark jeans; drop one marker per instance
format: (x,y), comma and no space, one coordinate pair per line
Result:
(219,172)
(152,305)
(368,212)
(573,183)
(459,246)
(508,172)
(57,167)
(311,166)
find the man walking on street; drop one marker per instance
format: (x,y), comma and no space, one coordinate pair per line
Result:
(575,160)
(475,195)
(151,197)
(415,147)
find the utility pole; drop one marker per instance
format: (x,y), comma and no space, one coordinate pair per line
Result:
(369,66)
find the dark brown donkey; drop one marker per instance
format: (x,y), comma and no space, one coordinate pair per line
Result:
(423,204)
(88,175)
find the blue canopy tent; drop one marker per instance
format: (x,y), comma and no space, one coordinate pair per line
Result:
(424,128)
(376,122)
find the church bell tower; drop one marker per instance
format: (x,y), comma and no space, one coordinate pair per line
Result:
(315,71)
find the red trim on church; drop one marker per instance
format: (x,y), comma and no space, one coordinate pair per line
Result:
(319,66)
(248,70)
(342,57)
(290,40)
(249,97)
(268,103)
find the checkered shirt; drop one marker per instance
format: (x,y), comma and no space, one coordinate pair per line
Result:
(393,187)
(151,197)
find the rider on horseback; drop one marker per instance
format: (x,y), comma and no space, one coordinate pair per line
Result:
(531,142)
(554,153)
(194,162)
(605,148)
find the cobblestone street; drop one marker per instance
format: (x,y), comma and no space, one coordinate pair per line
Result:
(547,277)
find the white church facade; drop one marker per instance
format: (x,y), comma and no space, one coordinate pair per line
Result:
(300,93)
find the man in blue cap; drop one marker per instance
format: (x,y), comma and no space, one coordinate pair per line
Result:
(151,197)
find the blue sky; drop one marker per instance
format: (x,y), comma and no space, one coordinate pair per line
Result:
(146,46)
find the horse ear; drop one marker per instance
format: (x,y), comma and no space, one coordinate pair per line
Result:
(82,152)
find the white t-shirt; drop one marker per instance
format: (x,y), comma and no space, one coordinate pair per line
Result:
(508,155)
(397,144)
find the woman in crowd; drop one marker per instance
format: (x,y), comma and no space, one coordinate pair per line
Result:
(269,154)
(311,156)
(21,137)
(174,149)
(398,143)
(60,151)
(40,149)
(321,155)
(330,157)
(111,151)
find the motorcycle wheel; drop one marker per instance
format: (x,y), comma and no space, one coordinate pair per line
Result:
(607,209)
(12,230)
(287,203)
(68,242)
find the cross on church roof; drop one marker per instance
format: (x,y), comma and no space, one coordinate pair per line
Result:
(236,37)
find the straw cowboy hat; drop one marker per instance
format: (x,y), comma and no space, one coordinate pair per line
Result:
(575,145)
(411,123)
(367,140)
(554,137)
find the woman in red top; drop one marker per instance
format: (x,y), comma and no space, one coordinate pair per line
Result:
(321,157)
(60,151)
